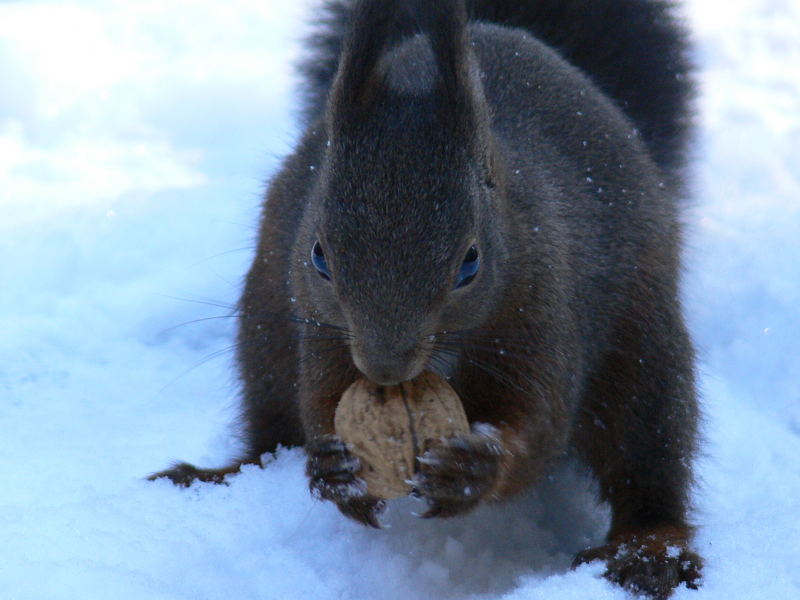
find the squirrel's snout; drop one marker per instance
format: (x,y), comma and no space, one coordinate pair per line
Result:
(386,365)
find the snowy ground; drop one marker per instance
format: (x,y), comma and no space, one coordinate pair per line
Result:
(134,140)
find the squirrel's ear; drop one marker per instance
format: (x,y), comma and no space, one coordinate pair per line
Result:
(461,96)
(447,26)
(358,76)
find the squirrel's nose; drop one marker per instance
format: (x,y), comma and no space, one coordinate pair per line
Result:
(387,366)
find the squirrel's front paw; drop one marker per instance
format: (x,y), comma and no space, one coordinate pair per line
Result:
(455,474)
(332,472)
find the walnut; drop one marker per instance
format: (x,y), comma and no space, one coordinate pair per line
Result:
(388,427)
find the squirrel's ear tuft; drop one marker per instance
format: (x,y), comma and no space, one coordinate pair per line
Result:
(460,93)
(358,76)
(447,27)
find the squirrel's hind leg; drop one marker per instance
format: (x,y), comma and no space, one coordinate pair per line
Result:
(637,430)
(184,474)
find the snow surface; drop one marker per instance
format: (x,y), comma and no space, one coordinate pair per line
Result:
(134,141)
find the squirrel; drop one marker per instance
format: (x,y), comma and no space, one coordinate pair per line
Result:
(489,189)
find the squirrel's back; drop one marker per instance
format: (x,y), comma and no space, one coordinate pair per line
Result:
(635,51)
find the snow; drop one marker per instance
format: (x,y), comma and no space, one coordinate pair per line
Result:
(134,142)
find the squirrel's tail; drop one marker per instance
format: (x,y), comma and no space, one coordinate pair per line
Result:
(636,51)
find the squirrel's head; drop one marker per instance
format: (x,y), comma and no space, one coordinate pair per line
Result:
(400,236)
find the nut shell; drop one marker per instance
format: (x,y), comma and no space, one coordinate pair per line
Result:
(388,427)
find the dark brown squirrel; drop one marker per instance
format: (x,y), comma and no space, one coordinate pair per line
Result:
(495,199)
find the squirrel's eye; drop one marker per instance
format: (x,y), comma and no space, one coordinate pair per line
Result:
(319,262)
(469,268)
